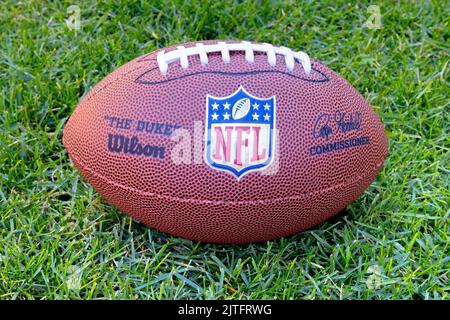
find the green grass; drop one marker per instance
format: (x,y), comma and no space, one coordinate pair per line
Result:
(60,239)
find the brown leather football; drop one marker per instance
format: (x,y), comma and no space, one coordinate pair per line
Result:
(226,141)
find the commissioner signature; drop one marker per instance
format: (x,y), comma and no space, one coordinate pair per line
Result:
(340,122)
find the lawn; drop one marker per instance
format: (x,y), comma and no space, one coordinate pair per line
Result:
(59,239)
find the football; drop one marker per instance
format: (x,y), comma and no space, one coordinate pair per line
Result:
(226,141)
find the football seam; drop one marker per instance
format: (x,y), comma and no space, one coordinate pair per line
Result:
(112,81)
(250,73)
(233,74)
(221,202)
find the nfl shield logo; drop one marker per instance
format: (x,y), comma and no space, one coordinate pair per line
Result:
(239,132)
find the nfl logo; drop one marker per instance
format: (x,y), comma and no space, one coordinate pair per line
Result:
(239,132)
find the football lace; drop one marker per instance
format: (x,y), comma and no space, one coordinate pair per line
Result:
(182,53)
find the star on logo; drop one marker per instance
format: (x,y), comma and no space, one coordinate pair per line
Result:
(226,106)
(255,106)
(266,117)
(255,116)
(215,106)
(226,116)
(266,106)
(215,116)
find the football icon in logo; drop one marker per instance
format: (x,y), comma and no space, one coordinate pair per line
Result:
(239,132)
(241,108)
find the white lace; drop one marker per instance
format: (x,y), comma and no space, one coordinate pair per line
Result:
(182,53)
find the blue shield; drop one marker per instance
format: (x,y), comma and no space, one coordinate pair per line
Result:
(240,132)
